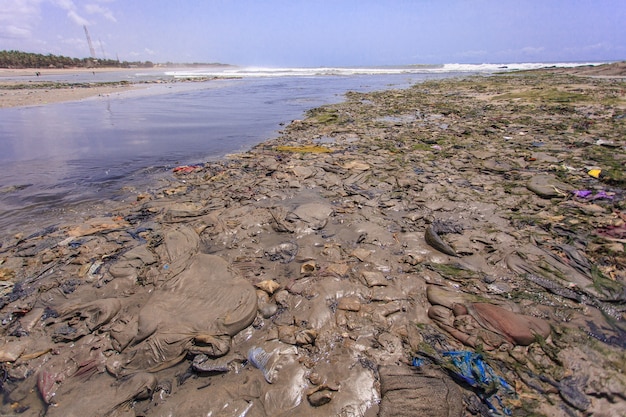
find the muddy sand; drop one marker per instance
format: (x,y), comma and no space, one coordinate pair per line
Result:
(452,249)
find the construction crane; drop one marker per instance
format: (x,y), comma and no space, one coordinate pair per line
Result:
(91,50)
(102,49)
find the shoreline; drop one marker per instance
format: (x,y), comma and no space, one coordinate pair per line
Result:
(32,92)
(25,88)
(369,240)
(22,87)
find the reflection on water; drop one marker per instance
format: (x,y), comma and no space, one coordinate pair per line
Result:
(62,154)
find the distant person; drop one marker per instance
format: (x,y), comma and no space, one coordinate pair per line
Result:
(38,73)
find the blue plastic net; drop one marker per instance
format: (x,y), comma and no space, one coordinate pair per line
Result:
(471,368)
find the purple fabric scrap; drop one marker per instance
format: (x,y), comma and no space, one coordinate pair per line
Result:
(588,195)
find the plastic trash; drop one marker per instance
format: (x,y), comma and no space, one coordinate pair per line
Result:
(186,169)
(470,368)
(588,195)
(595,173)
(260,359)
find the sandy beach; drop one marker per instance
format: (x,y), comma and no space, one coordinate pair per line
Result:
(30,90)
(455,248)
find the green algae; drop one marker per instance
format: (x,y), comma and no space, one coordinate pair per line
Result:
(452,271)
(324,115)
(551,95)
(303,149)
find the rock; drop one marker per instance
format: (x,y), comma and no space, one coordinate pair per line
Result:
(547,186)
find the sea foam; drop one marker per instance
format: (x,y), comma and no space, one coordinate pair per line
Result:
(258,72)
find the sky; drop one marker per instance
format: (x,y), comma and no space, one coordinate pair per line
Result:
(320,33)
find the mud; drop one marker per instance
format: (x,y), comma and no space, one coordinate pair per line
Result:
(340,268)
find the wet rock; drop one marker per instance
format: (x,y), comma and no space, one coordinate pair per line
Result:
(547,186)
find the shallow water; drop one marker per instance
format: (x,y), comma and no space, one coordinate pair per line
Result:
(59,155)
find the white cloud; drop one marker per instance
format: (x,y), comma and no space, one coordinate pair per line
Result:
(17,18)
(476,53)
(530,50)
(93,8)
(14,32)
(72,11)
(76,18)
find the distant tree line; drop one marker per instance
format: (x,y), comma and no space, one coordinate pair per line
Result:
(18,59)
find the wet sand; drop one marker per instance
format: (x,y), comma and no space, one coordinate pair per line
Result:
(25,88)
(450,249)
(33,91)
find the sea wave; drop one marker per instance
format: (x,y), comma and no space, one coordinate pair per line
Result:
(257,72)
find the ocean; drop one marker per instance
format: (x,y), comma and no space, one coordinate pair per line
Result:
(60,158)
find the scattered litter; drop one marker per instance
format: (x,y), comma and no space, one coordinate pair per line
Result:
(595,173)
(186,169)
(470,368)
(588,195)
(260,358)
(607,143)
(94,268)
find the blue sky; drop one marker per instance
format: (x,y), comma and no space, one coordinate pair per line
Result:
(320,32)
